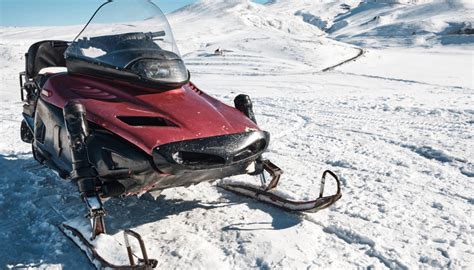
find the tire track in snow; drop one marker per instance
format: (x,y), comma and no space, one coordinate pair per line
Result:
(388,130)
(434,123)
(405,81)
(354,238)
(355,124)
(231,63)
(434,155)
(260,66)
(298,123)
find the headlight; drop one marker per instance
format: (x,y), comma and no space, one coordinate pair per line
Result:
(167,71)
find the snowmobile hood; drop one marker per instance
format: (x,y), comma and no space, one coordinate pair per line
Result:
(145,117)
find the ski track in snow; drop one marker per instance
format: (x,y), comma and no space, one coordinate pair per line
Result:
(402,146)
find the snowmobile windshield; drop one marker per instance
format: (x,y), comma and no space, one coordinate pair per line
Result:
(131,39)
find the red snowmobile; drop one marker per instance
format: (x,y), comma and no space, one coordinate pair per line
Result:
(114,111)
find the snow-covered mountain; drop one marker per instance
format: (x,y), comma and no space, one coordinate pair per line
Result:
(396,125)
(424,24)
(265,41)
(388,22)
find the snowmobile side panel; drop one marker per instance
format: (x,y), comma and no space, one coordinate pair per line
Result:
(112,157)
(49,136)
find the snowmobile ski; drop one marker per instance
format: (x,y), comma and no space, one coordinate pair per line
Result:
(100,262)
(266,193)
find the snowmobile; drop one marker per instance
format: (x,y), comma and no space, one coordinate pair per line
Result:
(115,112)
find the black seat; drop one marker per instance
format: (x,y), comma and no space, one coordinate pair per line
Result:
(43,54)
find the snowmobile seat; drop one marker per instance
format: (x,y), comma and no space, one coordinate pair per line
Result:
(45,54)
(40,58)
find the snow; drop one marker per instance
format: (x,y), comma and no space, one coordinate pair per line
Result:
(396,125)
(423,23)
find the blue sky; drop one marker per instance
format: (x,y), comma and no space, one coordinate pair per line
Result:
(63,12)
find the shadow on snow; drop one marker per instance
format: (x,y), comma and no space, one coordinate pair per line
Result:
(34,201)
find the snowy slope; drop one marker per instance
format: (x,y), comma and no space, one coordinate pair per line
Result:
(397,125)
(384,23)
(265,42)
(422,24)
(318,13)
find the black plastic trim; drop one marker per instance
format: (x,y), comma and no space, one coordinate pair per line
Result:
(210,153)
(142,121)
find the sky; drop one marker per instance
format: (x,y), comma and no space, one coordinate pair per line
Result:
(63,12)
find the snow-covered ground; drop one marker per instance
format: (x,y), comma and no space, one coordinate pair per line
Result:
(397,125)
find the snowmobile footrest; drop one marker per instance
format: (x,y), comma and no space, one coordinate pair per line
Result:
(81,241)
